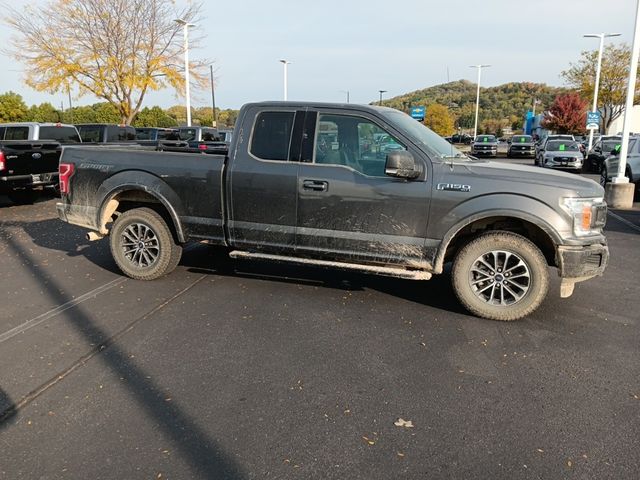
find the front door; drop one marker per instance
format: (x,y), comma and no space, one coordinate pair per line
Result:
(348,209)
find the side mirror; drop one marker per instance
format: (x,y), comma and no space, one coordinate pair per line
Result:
(401,164)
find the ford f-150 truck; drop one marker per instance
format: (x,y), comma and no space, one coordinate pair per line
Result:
(27,165)
(307,183)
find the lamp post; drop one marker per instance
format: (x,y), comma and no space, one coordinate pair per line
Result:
(285,63)
(347,93)
(601,36)
(479,67)
(381,92)
(213,99)
(619,193)
(187,93)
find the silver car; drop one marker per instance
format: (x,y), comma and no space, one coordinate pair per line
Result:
(562,154)
(632,171)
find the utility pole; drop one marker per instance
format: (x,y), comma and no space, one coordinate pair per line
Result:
(381,92)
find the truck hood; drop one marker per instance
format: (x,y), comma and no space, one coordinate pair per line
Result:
(513,175)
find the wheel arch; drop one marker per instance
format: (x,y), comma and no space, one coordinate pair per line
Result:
(541,233)
(120,195)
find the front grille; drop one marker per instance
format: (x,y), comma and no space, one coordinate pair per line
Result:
(564,159)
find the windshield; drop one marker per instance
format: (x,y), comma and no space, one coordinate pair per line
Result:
(144,134)
(422,135)
(609,145)
(562,146)
(521,139)
(485,139)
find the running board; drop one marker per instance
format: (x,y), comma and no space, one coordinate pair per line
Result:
(373,269)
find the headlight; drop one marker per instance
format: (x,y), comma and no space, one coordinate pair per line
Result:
(588,214)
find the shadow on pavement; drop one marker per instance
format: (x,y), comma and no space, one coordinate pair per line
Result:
(436,293)
(7,409)
(53,234)
(201,452)
(614,224)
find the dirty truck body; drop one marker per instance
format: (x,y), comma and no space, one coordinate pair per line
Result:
(345,186)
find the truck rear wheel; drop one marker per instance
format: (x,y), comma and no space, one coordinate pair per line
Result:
(142,245)
(500,276)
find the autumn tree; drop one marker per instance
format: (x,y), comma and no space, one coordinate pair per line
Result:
(12,108)
(117,50)
(568,114)
(438,119)
(612,93)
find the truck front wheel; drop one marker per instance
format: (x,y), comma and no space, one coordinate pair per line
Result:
(500,276)
(142,245)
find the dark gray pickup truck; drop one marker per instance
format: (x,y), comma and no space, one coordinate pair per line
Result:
(345,186)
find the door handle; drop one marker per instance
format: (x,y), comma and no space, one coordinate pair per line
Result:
(315,185)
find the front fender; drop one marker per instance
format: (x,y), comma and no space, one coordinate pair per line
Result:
(524,208)
(145,182)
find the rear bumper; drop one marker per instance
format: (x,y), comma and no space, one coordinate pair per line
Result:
(582,263)
(28,181)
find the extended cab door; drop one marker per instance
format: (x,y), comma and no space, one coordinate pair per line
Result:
(262,181)
(348,209)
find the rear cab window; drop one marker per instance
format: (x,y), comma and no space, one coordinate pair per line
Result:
(60,134)
(271,135)
(90,133)
(17,133)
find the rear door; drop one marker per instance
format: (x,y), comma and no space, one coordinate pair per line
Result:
(262,181)
(348,209)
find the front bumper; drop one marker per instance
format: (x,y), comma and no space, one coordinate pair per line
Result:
(579,263)
(529,152)
(492,152)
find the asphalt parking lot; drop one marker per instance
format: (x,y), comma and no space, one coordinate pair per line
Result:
(252,371)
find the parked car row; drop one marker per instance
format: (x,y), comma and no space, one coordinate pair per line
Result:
(30,151)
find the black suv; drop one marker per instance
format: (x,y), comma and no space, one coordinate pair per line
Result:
(521,146)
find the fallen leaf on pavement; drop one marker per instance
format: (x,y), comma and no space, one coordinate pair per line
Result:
(403,423)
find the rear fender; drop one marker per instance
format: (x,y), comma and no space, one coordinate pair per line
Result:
(144,182)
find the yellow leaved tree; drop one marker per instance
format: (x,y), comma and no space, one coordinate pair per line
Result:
(117,50)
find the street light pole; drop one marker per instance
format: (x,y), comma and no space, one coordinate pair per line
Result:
(479,67)
(347,93)
(213,99)
(601,36)
(285,63)
(187,93)
(381,92)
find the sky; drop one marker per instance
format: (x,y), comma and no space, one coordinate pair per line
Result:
(363,46)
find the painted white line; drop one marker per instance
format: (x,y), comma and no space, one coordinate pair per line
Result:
(625,221)
(59,309)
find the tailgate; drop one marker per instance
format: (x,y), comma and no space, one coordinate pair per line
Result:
(24,158)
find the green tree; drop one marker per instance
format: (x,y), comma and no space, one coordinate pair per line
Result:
(438,119)
(45,112)
(612,93)
(154,117)
(117,50)
(12,108)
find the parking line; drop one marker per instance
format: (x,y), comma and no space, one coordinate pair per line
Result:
(625,221)
(59,309)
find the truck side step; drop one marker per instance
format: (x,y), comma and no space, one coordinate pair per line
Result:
(373,269)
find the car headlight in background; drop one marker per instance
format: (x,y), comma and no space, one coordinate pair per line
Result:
(589,214)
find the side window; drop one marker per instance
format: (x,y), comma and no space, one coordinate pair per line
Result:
(271,136)
(354,142)
(17,133)
(2,130)
(90,133)
(113,133)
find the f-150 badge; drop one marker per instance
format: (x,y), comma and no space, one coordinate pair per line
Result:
(454,187)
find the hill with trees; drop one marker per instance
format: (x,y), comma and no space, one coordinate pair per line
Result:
(501,106)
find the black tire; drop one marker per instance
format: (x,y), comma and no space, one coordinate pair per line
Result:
(520,283)
(22,197)
(143,246)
